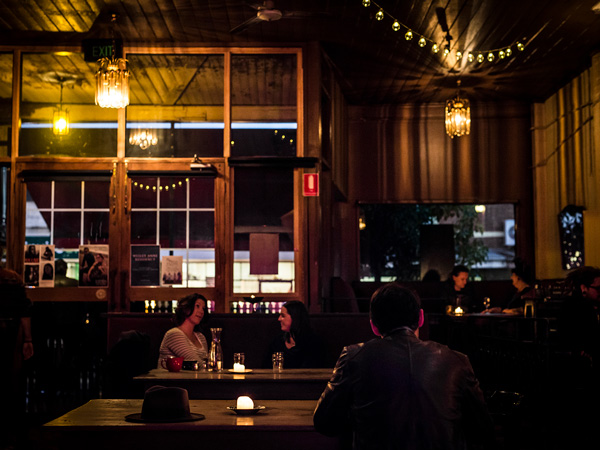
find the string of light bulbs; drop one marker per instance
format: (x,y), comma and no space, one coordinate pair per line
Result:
(478,56)
(165,187)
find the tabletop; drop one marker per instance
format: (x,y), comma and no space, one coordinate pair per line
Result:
(291,384)
(100,424)
(255,375)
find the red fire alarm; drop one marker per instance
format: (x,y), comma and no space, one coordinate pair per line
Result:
(311,185)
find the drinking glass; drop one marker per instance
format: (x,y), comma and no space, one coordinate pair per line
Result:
(277,361)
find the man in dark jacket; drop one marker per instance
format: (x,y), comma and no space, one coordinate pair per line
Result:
(399,392)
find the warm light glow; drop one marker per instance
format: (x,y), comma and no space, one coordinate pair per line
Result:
(366,3)
(458,116)
(480,208)
(409,35)
(143,138)
(361,223)
(396,25)
(422,42)
(380,15)
(60,122)
(458,311)
(112,83)
(245,402)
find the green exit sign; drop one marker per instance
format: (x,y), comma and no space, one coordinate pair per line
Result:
(95,49)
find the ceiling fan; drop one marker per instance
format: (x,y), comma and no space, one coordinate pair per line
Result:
(266,12)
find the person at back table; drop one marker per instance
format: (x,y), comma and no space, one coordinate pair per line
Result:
(398,392)
(456,291)
(186,339)
(521,278)
(301,347)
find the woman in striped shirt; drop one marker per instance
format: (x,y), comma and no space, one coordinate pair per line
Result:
(186,339)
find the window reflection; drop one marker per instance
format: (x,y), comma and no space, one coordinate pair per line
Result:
(264,204)
(395,240)
(178,214)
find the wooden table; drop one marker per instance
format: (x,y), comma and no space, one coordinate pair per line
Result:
(292,384)
(100,424)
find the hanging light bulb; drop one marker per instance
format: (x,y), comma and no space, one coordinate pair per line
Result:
(470,57)
(435,48)
(422,42)
(396,25)
(501,54)
(508,52)
(380,14)
(409,35)
(112,79)
(520,46)
(490,57)
(60,120)
(458,115)
(458,56)
(480,58)
(366,3)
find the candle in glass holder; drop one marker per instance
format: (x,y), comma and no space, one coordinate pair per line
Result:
(237,367)
(245,402)
(458,311)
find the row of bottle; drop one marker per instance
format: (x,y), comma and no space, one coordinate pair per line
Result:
(162,306)
(259,307)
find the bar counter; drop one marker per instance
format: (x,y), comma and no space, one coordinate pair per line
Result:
(292,384)
(100,424)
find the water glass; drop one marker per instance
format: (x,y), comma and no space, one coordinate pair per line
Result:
(277,361)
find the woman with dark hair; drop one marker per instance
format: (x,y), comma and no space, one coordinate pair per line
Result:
(301,347)
(456,292)
(186,339)
(521,277)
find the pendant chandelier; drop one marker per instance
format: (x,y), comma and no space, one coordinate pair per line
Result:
(458,115)
(112,79)
(60,120)
(143,138)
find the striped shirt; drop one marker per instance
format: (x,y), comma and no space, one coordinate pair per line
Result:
(176,343)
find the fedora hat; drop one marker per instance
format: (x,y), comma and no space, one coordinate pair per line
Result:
(165,405)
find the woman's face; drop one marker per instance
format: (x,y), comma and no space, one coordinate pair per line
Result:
(515,279)
(197,313)
(460,280)
(285,320)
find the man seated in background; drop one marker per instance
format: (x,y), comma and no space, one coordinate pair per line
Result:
(400,392)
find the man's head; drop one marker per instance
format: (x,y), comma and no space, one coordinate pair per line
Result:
(394,306)
(585,282)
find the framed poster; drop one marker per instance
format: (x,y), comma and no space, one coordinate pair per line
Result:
(145,265)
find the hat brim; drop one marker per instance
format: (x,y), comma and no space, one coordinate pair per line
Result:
(137,418)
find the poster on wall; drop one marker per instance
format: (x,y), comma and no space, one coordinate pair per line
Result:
(93,265)
(39,265)
(145,265)
(172,270)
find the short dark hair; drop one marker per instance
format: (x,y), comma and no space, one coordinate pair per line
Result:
(458,269)
(522,270)
(185,307)
(582,276)
(393,306)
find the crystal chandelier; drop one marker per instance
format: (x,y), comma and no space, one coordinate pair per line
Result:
(60,120)
(458,115)
(143,138)
(112,79)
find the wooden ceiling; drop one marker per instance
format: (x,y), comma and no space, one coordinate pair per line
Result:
(376,64)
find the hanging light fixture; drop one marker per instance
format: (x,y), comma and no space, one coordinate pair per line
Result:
(112,79)
(60,120)
(143,138)
(458,115)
